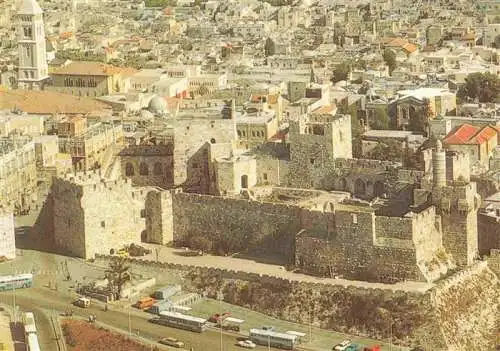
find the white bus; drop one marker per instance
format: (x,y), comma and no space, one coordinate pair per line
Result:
(182,321)
(274,339)
(32,343)
(29,323)
(11,282)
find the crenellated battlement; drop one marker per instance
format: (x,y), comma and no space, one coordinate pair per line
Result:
(360,163)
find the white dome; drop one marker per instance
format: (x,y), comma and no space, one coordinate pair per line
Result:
(158,105)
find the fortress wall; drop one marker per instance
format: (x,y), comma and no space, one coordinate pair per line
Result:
(236,225)
(352,248)
(467,308)
(68,217)
(494,261)
(394,227)
(459,313)
(159,219)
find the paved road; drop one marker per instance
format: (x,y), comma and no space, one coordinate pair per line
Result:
(42,300)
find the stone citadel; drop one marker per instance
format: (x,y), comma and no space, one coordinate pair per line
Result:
(305,199)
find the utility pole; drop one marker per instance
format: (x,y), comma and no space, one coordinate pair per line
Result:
(310,326)
(129,325)
(14,303)
(390,341)
(220,297)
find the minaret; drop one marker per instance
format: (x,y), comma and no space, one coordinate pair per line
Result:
(33,68)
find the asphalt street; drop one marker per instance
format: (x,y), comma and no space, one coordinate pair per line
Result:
(43,301)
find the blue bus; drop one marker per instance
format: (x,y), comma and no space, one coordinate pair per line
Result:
(19,281)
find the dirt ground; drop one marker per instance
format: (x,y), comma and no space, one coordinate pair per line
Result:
(82,336)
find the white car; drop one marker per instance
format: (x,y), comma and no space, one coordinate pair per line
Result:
(342,346)
(248,344)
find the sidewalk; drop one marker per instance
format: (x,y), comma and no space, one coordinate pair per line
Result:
(5,334)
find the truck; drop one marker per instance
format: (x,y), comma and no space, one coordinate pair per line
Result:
(145,302)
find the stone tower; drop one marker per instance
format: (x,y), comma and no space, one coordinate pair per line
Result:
(33,68)
(457,201)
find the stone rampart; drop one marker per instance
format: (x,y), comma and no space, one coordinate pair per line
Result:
(467,308)
(236,225)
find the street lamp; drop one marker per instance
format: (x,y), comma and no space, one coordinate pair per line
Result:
(220,297)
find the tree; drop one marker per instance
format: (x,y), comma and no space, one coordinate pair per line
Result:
(117,274)
(381,120)
(341,72)
(420,120)
(200,243)
(485,87)
(390,150)
(390,59)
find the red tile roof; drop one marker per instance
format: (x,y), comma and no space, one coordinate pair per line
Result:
(485,134)
(468,134)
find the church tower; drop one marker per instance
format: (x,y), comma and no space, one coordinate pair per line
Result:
(33,68)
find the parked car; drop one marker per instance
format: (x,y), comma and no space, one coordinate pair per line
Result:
(171,342)
(137,250)
(231,327)
(82,302)
(248,344)
(217,318)
(376,348)
(343,346)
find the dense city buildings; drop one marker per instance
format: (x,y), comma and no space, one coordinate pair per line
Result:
(354,144)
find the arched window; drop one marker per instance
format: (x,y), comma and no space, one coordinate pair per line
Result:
(157,169)
(129,169)
(359,188)
(143,169)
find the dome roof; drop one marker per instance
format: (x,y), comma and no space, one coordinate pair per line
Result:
(158,105)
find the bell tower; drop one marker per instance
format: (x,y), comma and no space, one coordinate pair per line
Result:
(33,68)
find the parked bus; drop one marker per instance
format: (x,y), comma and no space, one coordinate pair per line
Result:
(11,282)
(32,343)
(29,324)
(182,321)
(274,339)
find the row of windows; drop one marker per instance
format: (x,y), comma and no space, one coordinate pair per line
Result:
(79,82)
(242,133)
(210,84)
(144,169)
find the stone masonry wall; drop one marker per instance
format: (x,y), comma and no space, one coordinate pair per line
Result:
(353,249)
(159,218)
(69,218)
(112,212)
(236,225)
(191,153)
(467,308)
(350,241)
(458,206)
